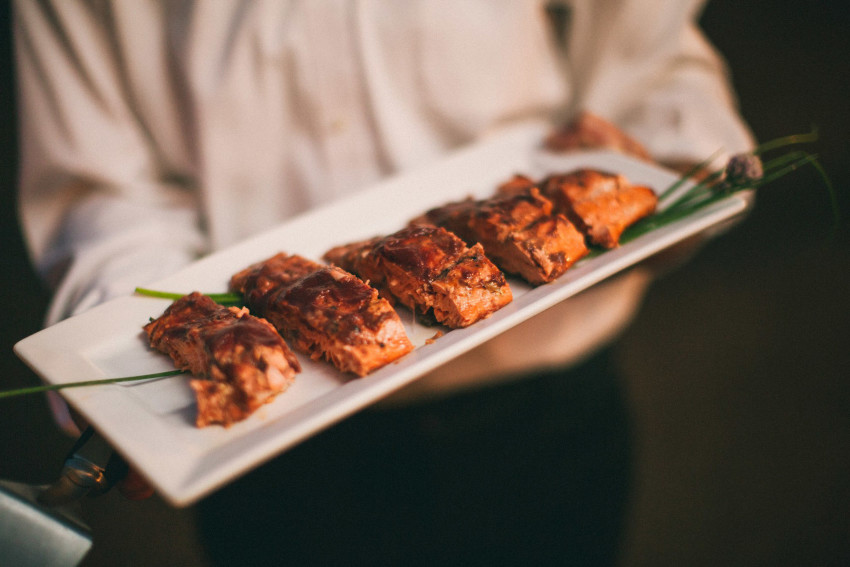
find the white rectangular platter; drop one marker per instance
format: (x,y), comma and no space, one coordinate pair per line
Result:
(151,423)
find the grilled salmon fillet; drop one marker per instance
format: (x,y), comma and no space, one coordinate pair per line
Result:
(325,312)
(431,271)
(602,205)
(243,359)
(258,282)
(519,231)
(517,184)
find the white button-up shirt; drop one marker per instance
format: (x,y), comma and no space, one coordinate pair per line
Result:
(155,132)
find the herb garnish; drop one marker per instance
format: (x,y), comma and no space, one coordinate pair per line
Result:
(51,387)
(743,172)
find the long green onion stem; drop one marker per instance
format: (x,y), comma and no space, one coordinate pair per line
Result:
(223,298)
(715,186)
(695,170)
(52,387)
(787,141)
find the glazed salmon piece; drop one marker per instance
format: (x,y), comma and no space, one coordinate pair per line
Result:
(431,271)
(243,360)
(602,205)
(518,230)
(325,311)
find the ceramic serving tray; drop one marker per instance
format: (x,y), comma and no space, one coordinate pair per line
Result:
(151,423)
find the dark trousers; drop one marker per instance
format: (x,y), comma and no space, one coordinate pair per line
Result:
(532,472)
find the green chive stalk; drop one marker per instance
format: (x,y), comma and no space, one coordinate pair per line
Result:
(53,387)
(222,298)
(748,171)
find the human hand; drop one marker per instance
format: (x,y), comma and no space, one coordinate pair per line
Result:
(133,486)
(129,483)
(588,131)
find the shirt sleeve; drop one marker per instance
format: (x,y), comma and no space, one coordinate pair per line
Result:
(646,66)
(100,211)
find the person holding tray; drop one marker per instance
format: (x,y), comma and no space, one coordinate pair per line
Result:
(155,133)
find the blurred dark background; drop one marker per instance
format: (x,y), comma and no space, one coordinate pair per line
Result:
(735,372)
